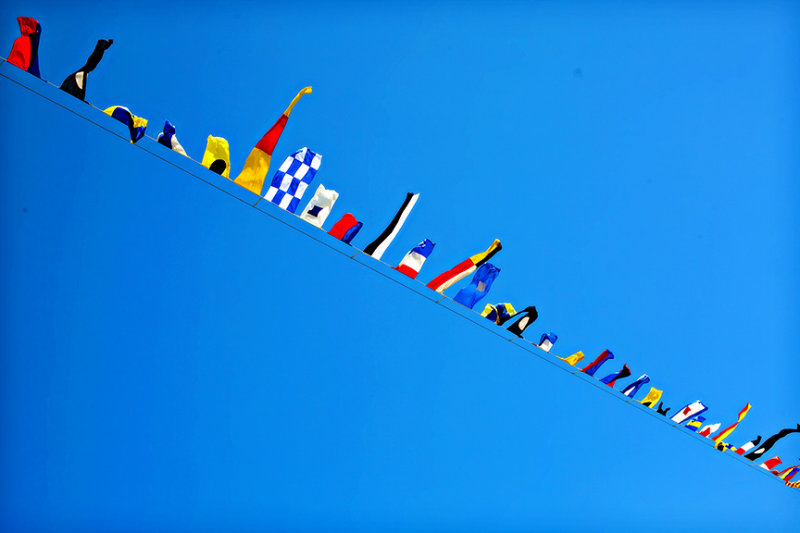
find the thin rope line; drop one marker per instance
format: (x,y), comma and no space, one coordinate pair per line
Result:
(496,331)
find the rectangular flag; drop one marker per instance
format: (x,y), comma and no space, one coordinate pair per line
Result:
(695,423)
(771,463)
(346,228)
(377,247)
(631,390)
(547,340)
(413,261)
(292,179)
(319,207)
(709,429)
(573,359)
(652,397)
(744,448)
(694,408)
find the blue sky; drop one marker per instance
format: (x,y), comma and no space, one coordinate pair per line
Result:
(173,358)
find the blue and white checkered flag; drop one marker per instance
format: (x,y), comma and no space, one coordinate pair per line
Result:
(292,179)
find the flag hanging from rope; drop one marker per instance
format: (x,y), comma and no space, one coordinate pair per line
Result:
(256,166)
(728,430)
(499,313)
(694,408)
(770,442)
(526,317)
(771,463)
(75,83)
(444,280)
(744,448)
(414,259)
(319,207)
(631,390)
(695,423)
(346,228)
(377,247)
(612,378)
(660,409)
(592,367)
(136,125)
(789,473)
(168,138)
(25,50)
(479,286)
(217,157)
(573,359)
(652,397)
(709,429)
(293,178)
(547,340)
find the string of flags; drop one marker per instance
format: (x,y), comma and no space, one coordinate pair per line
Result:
(286,190)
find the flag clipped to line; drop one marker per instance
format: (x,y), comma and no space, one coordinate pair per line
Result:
(319,207)
(547,340)
(168,138)
(789,473)
(694,408)
(479,287)
(136,125)
(444,280)
(377,247)
(728,430)
(293,178)
(612,378)
(793,484)
(771,463)
(256,166)
(631,390)
(414,259)
(724,447)
(217,157)
(770,442)
(526,317)
(346,228)
(573,359)
(695,423)
(75,83)
(500,313)
(592,367)
(744,448)
(709,429)
(660,409)
(652,397)
(25,50)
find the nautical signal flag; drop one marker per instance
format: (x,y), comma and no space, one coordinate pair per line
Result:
(499,313)
(377,247)
(25,50)
(693,409)
(652,397)
(631,390)
(466,267)
(547,340)
(136,125)
(728,430)
(168,138)
(660,409)
(789,473)
(256,166)
(319,207)
(592,367)
(526,317)
(771,463)
(293,178)
(744,448)
(479,286)
(217,157)
(770,442)
(695,423)
(709,429)
(612,378)
(414,259)
(573,359)
(346,228)
(75,83)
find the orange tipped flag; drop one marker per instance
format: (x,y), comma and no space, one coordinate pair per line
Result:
(257,164)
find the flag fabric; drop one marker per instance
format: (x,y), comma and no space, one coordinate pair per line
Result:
(499,313)
(526,317)
(292,179)
(479,286)
(136,125)
(444,280)
(257,164)
(319,207)
(660,409)
(547,340)
(770,442)
(75,83)
(413,261)
(789,473)
(724,446)
(346,228)
(168,138)
(377,247)
(771,463)
(25,50)
(693,409)
(612,378)
(695,423)
(728,430)
(631,390)
(709,429)
(592,367)
(652,397)
(793,484)
(217,157)
(573,359)
(744,448)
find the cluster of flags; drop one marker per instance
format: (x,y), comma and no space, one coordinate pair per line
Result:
(286,190)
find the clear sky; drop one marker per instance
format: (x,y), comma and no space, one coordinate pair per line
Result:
(173,359)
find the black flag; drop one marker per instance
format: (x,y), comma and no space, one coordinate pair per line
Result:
(770,442)
(527,317)
(75,84)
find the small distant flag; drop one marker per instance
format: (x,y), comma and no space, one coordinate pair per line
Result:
(547,340)
(709,429)
(25,50)
(346,228)
(526,317)
(724,446)
(631,390)
(444,280)
(694,408)
(499,313)
(728,430)
(652,397)
(168,138)
(319,207)
(660,409)
(771,463)
(793,484)
(75,83)
(612,378)
(136,125)
(414,259)
(744,448)
(695,423)
(789,473)
(217,157)
(592,367)
(377,247)
(257,164)
(292,179)
(770,442)
(479,286)
(573,359)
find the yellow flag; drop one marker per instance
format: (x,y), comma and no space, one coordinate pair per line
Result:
(573,359)
(217,156)
(728,430)
(652,397)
